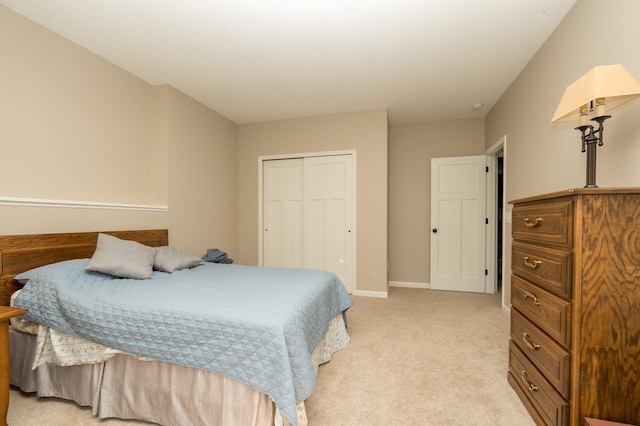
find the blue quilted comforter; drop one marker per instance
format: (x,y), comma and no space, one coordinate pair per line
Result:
(258,325)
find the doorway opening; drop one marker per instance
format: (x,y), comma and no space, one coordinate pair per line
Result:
(496,209)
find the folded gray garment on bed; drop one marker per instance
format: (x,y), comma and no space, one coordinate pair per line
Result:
(214,255)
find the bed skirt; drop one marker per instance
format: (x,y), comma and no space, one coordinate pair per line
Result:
(126,387)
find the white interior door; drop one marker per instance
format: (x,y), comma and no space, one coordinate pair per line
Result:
(307,213)
(282,210)
(458,221)
(328,236)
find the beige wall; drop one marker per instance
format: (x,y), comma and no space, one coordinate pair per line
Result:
(68,117)
(203,179)
(542,157)
(364,132)
(411,149)
(78,128)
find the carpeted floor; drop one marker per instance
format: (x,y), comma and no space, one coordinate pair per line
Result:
(420,357)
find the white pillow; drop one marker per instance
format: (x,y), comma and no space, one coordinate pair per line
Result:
(169,259)
(122,258)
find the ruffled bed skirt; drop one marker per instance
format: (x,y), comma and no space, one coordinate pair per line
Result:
(129,388)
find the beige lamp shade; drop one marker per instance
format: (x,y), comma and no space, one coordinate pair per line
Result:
(611,82)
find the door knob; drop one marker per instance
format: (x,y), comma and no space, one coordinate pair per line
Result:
(434,230)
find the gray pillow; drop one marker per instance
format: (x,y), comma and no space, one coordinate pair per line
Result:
(122,258)
(169,259)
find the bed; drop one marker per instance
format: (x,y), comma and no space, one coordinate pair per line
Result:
(230,347)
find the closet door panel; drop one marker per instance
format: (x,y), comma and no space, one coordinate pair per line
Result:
(328,194)
(283,207)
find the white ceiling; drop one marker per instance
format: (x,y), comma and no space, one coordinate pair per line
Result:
(258,60)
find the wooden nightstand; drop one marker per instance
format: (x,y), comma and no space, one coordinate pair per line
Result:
(5,314)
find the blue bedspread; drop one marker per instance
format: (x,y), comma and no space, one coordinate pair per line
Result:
(258,325)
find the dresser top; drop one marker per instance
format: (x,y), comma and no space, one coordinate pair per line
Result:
(578,191)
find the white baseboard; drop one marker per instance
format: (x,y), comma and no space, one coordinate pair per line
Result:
(409,284)
(365,293)
(385,294)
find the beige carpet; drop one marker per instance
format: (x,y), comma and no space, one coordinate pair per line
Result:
(420,357)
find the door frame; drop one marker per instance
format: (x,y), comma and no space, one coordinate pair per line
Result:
(491,280)
(263,158)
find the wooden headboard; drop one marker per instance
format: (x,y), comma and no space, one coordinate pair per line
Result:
(19,253)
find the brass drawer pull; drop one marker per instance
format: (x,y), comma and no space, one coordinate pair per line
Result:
(533,265)
(528,223)
(527,295)
(527,383)
(532,345)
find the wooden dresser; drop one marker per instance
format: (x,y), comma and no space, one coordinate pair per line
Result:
(575,294)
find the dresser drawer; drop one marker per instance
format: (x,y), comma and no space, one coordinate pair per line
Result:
(550,406)
(549,312)
(549,223)
(551,359)
(548,268)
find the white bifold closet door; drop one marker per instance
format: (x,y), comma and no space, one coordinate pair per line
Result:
(308,214)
